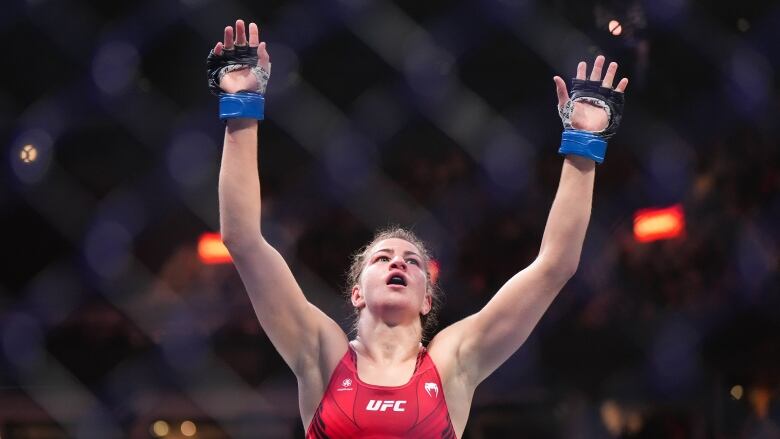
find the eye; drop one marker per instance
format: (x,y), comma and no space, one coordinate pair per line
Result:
(382,259)
(413,261)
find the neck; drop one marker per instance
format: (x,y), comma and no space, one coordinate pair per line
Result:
(388,344)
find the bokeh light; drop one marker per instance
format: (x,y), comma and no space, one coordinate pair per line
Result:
(191,158)
(188,428)
(115,66)
(159,428)
(30,160)
(615,28)
(107,248)
(28,153)
(654,224)
(211,249)
(736,392)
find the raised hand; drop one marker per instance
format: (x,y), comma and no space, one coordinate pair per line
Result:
(587,116)
(240,78)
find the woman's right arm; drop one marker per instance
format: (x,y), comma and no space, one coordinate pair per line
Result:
(305,337)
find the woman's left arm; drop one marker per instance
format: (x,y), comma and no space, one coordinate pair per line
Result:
(483,341)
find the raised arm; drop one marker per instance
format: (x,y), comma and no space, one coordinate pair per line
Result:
(309,341)
(483,341)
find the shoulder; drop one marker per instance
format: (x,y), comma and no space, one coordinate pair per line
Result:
(456,381)
(444,351)
(315,378)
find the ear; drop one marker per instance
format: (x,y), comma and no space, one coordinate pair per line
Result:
(358,301)
(427,304)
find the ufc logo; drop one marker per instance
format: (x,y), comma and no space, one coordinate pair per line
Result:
(381,406)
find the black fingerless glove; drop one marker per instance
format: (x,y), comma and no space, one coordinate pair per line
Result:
(592,145)
(245,103)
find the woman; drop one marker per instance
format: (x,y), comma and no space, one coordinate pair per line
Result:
(384,383)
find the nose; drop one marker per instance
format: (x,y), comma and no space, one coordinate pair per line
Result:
(398,263)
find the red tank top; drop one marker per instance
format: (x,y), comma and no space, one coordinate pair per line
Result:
(351,408)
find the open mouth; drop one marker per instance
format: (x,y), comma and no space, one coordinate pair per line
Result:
(397,280)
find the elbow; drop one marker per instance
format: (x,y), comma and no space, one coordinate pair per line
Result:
(230,239)
(561,270)
(565,272)
(569,270)
(236,241)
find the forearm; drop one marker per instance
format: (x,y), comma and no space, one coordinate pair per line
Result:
(568,220)
(239,183)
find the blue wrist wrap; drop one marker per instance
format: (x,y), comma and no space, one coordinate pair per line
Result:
(583,143)
(241,105)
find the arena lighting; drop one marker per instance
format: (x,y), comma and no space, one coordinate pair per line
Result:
(433,270)
(211,249)
(634,422)
(615,28)
(612,417)
(28,153)
(188,428)
(655,224)
(159,428)
(760,397)
(737,392)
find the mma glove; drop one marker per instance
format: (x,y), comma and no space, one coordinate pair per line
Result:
(245,103)
(590,144)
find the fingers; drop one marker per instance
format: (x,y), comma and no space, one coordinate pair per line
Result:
(238,38)
(610,75)
(621,87)
(228,38)
(254,35)
(263,59)
(560,89)
(595,74)
(240,33)
(218,49)
(581,68)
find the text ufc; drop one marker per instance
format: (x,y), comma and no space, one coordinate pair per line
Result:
(381,406)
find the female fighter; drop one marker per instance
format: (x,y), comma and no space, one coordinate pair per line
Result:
(384,382)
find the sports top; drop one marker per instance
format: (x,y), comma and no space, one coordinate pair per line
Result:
(351,408)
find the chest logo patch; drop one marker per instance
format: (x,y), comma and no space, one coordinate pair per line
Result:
(432,387)
(346,384)
(382,406)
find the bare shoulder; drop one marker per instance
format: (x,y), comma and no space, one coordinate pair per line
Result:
(445,350)
(333,344)
(455,378)
(314,376)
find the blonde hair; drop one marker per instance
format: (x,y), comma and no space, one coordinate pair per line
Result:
(427,321)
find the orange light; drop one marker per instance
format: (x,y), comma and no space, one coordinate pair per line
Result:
(433,270)
(211,249)
(654,224)
(28,153)
(760,398)
(188,428)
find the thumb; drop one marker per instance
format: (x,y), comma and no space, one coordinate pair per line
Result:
(560,89)
(263,59)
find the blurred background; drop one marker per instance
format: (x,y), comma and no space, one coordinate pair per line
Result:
(436,115)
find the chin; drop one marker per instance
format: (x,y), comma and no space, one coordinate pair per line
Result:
(396,309)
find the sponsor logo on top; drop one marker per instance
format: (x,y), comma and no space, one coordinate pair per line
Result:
(346,384)
(432,389)
(381,406)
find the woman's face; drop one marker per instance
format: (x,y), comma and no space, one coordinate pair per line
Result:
(393,283)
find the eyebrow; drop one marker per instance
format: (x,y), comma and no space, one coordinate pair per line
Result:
(389,250)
